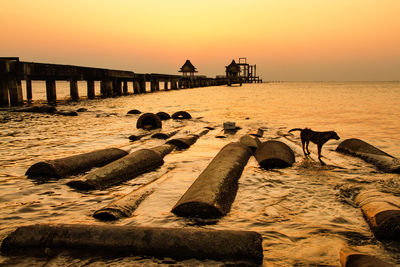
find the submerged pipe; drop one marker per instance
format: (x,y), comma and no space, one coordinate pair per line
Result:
(178,243)
(382,213)
(213,192)
(186,142)
(123,169)
(126,205)
(63,167)
(274,154)
(165,135)
(382,160)
(352,258)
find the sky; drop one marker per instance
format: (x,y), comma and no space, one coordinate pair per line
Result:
(288,40)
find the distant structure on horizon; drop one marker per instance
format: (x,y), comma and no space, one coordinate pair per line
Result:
(241,72)
(188,69)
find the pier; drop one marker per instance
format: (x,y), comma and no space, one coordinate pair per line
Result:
(112,82)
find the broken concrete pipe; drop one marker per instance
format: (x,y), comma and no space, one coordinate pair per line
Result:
(181,115)
(274,154)
(382,160)
(165,135)
(382,213)
(186,142)
(352,258)
(257,133)
(148,121)
(251,142)
(177,243)
(213,192)
(163,116)
(123,169)
(63,167)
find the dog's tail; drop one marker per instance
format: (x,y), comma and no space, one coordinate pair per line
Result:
(295,129)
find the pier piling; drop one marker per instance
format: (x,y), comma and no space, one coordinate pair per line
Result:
(90,89)
(51,91)
(74,89)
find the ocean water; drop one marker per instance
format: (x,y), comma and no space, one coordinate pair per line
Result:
(301,212)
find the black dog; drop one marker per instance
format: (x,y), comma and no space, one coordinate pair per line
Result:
(319,138)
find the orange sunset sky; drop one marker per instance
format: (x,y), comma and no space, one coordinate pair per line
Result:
(287,39)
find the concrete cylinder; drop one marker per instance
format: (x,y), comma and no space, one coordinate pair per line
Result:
(117,87)
(178,243)
(251,142)
(15,91)
(90,89)
(4,99)
(174,84)
(123,169)
(126,205)
(51,91)
(153,85)
(181,115)
(213,192)
(184,142)
(352,258)
(148,121)
(163,115)
(382,213)
(29,90)
(106,88)
(73,85)
(125,87)
(142,86)
(74,164)
(136,87)
(274,154)
(164,135)
(382,160)
(166,85)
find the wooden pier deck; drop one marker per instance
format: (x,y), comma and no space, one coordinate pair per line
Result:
(112,82)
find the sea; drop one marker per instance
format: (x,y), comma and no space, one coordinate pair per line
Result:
(304,213)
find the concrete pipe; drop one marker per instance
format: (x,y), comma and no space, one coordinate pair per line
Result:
(186,142)
(382,213)
(213,192)
(123,169)
(252,142)
(148,121)
(257,133)
(274,154)
(163,116)
(164,135)
(181,115)
(370,154)
(74,164)
(178,243)
(352,258)
(37,109)
(134,111)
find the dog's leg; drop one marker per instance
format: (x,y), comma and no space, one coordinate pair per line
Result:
(303,145)
(319,154)
(307,143)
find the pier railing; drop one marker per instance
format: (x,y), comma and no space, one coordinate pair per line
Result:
(112,82)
